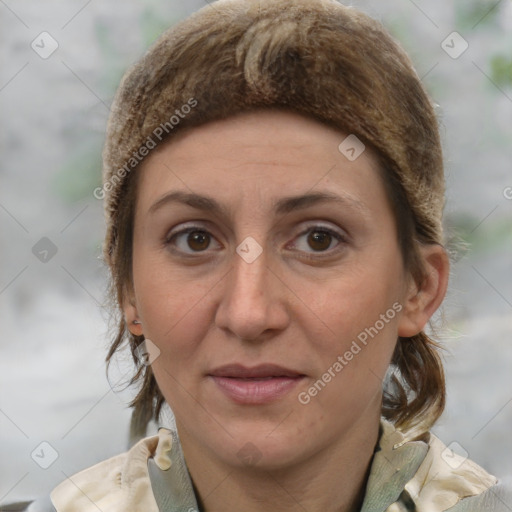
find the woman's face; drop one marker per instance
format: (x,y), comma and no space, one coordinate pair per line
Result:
(267,272)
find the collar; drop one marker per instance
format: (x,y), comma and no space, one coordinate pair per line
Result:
(172,488)
(394,464)
(406,473)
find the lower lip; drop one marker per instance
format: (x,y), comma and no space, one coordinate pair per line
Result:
(252,391)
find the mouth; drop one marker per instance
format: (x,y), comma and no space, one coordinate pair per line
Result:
(261,384)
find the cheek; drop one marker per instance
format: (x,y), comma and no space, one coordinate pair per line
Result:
(171,305)
(351,369)
(353,301)
(359,311)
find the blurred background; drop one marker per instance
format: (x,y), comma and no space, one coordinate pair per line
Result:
(60,63)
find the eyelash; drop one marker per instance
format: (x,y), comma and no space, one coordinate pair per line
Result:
(314,255)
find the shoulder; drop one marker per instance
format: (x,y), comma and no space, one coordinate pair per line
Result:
(88,489)
(445,478)
(497,498)
(446,481)
(114,485)
(416,471)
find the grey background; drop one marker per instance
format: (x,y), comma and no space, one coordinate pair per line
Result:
(54,329)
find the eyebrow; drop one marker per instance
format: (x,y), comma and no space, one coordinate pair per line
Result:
(282,206)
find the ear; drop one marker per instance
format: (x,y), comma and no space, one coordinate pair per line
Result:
(131,316)
(422,301)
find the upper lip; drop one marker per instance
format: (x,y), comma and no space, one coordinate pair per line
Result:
(262,370)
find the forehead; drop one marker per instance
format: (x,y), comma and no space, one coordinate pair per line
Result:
(257,157)
(281,130)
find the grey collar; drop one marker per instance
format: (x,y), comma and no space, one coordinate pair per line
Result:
(394,463)
(173,489)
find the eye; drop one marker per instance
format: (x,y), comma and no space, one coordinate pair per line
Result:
(197,239)
(320,239)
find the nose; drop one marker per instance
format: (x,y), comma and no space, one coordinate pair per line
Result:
(253,303)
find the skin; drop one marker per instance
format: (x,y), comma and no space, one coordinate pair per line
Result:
(299,304)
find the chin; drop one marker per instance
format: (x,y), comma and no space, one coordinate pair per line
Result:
(266,449)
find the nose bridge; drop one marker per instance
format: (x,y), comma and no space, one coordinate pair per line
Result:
(252,253)
(249,277)
(250,303)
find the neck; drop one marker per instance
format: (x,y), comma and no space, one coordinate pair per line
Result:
(332,480)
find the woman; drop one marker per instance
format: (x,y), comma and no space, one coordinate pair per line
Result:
(273,184)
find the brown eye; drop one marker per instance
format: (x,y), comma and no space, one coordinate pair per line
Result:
(198,240)
(190,241)
(319,240)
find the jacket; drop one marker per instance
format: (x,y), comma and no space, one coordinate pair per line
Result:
(418,475)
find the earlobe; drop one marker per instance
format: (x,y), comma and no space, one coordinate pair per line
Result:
(424,298)
(131,316)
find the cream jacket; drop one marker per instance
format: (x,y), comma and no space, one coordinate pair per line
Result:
(421,475)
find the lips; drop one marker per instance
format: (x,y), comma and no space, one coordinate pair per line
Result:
(263,371)
(258,385)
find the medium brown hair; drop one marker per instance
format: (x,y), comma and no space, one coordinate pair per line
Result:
(321,60)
